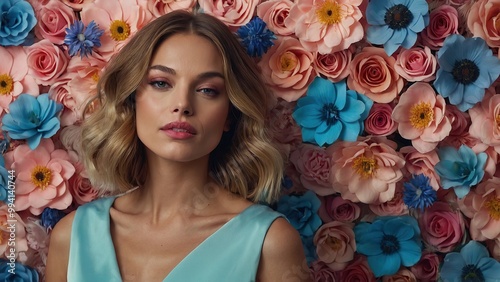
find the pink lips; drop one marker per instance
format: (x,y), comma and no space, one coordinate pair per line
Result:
(179,130)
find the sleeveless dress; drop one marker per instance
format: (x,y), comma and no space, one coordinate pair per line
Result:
(232,253)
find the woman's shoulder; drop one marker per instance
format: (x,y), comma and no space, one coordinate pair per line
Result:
(58,257)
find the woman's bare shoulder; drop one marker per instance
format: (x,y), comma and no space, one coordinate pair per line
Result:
(58,257)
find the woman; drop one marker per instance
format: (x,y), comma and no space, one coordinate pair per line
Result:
(180,140)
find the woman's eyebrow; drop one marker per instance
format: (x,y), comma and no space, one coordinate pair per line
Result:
(204,75)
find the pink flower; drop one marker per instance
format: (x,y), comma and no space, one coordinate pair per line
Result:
(421,163)
(59,92)
(421,117)
(37,237)
(333,65)
(284,128)
(485,117)
(460,121)
(366,170)
(393,207)
(10,221)
(274,14)
(485,222)
(442,227)
(42,177)
(335,208)
(373,74)
(483,21)
(357,270)
(77,5)
(326,26)
(47,62)
(80,187)
(494,248)
(162,7)
(320,272)
(288,68)
(234,13)
(53,19)
(443,21)
(379,122)
(14,77)
(403,275)
(313,164)
(335,244)
(416,64)
(427,269)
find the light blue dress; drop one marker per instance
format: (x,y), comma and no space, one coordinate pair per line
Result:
(232,253)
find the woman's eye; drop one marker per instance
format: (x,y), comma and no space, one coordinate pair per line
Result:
(159,84)
(208,91)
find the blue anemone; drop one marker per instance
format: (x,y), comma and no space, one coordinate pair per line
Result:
(418,193)
(82,41)
(256,37)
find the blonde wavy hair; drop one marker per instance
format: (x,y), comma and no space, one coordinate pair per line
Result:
(245,162)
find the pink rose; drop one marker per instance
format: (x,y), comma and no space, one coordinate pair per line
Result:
(335,208)
(379,122)
(443,21)
(335,244)
(485,121)
(333,65)
(81,189)
(284,128)
(47,62)
(393,207)
(442,227)
(421,163)
(403,275)
(234,13)
(59,92)
(372,73)
(483,21)
(460,121)
(416,64)
(320,272)
(274,13)
(427,269)
(77,5)
(313,164)
(53,19)
(162,7)
(357,270)
(288,68)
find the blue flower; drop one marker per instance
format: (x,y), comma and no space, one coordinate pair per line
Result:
(256,37)
(396,23)
(418,193)
(17,18)
(301,211)
(471,264)
(389,242)
(329,112)
(466,68)
(50,217)
(80,41)
(309,249)
(460,169)
(32,119)
(4,180)
(14,271)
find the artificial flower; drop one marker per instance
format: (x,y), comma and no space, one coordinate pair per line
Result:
(336,208)
(81,40)
(396,23)
(301,211)
(330,112)
(379,121)
(309,248)
(53,19)
(256,37)
(274,13)
(335,244)
(17,18)
(162,7)
(50,217)
(485,217)
(416,64)
(485,118)
(12,223)
(418,193)
(443,21)
(389,243)
(333,66)
(483,21)
(320,272)
(20,272)
(467,68)
(313,165)
(285,130)
(427,268)
(419,163)
(393,207)
(471,264)
(233,13)
(460,169)
(403,275)
(357,270)
(47,62)
(4,180)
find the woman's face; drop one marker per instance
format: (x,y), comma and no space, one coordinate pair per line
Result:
(182,105)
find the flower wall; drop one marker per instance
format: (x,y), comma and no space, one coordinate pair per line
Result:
(388,112)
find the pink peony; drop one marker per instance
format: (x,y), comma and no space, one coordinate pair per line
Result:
(53,19)
(162,7)
(42,179)
(403,275)
(335,244)
(320,272)
(313,164)
(10,221)
(421,163)
(421,117)
(357,270)
(379,121)
(443,21)
(372,73)
(427,269)
(416,64)
(483,21)
(335,208)
(485,222)
(326,26)
(393,207)
(442,228)
(274,14)
(234,13)
(485,117)
(288,68)
(366,170)
(333,65)
(47,62)
(77,5)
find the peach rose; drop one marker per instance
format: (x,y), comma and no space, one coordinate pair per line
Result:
(80,187)
(372,73)
(320,272)
(313,164)
(162,7)
(288,68)
(59,92)
(335,208)
(485,121)
(443,21)
(393,207)
(333,65)
(416,64)
(403,275)
(483,21)
(53,19)
(427,268)
(460,121)
(357,270)
(274,13)
(335,244)
(47,62)
(421,163)
(234,13)
(379,121)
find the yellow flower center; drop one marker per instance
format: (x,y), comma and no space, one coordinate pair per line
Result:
(334,243)
(41,176)
(330,12)
(6,84)
(119,30)
(95,76)
(497,119)
(364,166)
(288,61)
(493,206)
(421,115)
